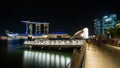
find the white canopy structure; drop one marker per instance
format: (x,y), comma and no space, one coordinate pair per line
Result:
(83,33)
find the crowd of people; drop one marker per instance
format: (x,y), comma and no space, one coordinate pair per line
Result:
(101,42)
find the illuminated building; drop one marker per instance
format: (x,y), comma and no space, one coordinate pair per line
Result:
(38,31)
(97,27)
(107,22)
(29,27)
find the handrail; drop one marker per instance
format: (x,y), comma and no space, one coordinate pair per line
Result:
(78,56)
(77,53)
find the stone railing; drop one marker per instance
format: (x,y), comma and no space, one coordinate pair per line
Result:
(78,57)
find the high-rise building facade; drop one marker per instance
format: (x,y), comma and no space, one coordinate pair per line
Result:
(107,22)
(97,27)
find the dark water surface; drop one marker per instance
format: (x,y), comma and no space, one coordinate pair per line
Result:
(15,56)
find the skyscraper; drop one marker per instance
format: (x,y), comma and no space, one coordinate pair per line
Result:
(107,22)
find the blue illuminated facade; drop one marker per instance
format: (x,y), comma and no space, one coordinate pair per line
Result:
(107,22)
(59,33)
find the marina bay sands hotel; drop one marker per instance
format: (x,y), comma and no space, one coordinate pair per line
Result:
(41,30)
(38,27)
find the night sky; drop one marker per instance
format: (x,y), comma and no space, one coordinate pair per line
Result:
(63,15)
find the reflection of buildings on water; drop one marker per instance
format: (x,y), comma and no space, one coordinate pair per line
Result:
(34,59)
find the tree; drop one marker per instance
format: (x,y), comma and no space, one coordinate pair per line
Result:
(115,32)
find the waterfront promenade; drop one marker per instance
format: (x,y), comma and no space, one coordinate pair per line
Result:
(102,57)
(105,56)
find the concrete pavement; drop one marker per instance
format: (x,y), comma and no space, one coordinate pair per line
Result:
(102,57)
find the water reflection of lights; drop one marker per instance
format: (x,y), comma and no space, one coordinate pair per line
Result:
(44,59)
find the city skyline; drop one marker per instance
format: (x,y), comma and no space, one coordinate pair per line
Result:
(63,15)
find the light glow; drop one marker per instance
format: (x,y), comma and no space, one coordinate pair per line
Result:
(45,59)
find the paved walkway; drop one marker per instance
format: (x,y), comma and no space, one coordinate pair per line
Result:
(104,57)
